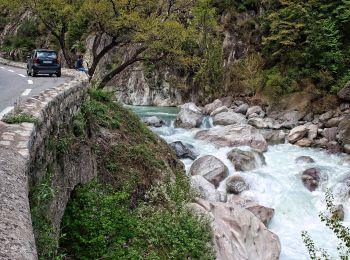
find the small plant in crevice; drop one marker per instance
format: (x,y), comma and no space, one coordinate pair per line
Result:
(20,118)
(332,221)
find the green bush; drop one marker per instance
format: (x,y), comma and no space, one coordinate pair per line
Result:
(277,84)
(98,223)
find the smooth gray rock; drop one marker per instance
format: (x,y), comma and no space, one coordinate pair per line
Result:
(246,160)
(212,106)
(256,110)
(242,109)
(219,110)
(311,178)
(297,134)
(229,118)
(211,168)
(344,93)
(274,136)
(236,185)
(344,131)
(190,116)
(238,233)
(182,151)
(206,189)
(234,136)
(153,121)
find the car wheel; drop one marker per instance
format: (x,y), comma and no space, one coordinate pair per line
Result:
(33,73)
(58,74)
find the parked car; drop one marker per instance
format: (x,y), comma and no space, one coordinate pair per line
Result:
(42,61)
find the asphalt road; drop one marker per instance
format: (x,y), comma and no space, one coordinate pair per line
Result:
(15,85)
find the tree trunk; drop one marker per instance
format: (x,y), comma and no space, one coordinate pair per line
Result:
(96,57)
(134,58)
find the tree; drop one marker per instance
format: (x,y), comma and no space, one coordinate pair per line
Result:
(331,219)
(147,30)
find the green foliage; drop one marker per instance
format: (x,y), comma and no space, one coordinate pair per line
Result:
(332,221)
(277,84)
(18,118)
(99,224)
(40,197)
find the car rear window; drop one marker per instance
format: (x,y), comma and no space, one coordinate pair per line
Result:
(47,54)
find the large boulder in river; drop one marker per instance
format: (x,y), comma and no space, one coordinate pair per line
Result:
(219,110)
(153,121)
(182,151)
(297,134)
(234,136)
(265,214)
(242,109)
(344,131)
(229,118)
(212,106)
(274,136)
(257,111)
(262,123)
(205,188)
(311,178)
(246,160)
(190,116)
(238,233)
(211,168)
(344,93)
(236,185)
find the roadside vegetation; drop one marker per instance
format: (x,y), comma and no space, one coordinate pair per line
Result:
(136,208)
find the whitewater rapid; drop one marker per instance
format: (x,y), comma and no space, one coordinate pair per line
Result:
(276,185)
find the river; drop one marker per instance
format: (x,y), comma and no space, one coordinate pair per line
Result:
(276,185)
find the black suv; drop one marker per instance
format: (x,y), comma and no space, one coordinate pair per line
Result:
(42,61)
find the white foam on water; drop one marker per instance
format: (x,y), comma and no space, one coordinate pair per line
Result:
(278,185)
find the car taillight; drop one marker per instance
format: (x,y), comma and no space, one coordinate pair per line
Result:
(36,61)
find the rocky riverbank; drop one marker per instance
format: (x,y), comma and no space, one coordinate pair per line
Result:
(237,125)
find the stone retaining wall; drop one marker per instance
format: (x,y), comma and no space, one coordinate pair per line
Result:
(21,146)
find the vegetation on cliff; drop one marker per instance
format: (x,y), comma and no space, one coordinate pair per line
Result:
(135,208)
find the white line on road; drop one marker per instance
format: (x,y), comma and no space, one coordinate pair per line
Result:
(30,82)
(10,70)
(5,111)
(21,75)
(2,68)
(26,92)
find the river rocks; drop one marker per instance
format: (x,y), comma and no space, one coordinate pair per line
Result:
(190,116)
(297,133)
(338,212)
(246,160)
(265,214)
(344,93)
(304,159)
(205,188)
(238,234)
(263,123)
(153,121)
(326,116)
(305,142)
(311,178)
(236,185)
(344,131)
(219,110)
(333,122)
(211,168)
(257,111)
(182,151)
(347,148)
(242,109)
(212,106)
(274,136)
(226,101)
(330,133)
(229,118)
(233,136)
(312,131)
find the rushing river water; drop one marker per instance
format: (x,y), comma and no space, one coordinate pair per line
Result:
(276,185)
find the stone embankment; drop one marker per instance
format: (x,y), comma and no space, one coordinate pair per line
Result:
(24,155)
